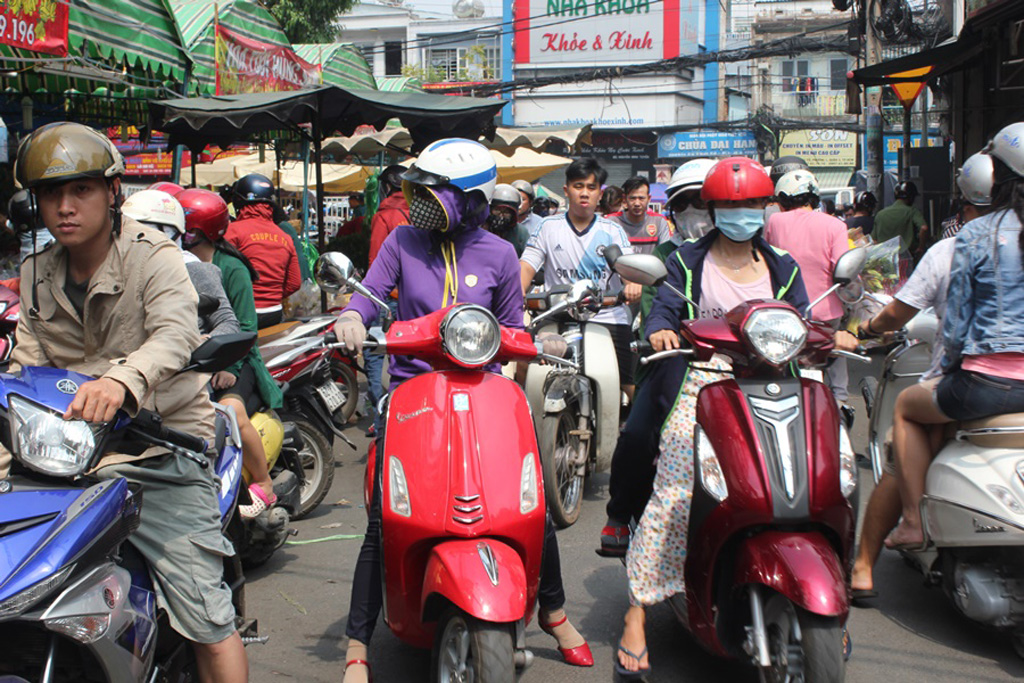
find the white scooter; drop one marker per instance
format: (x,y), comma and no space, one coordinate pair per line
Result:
(973,508)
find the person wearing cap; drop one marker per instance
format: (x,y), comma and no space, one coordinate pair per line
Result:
(503,220)
(527,218)
(645,229)
(816,240)
(270,250)
(112,299)
(779,168)
(902,219)
(927,287)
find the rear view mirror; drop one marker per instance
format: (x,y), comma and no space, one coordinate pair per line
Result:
(334,271)
(849,265)
(643,269)
(220,352)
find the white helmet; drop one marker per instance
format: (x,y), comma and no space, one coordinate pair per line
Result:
(1008,147)
(975,179)
(689,176)
(506,195)
(155,207)
(796,183)
(462,163)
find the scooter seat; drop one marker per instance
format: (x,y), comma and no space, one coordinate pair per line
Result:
(998,431)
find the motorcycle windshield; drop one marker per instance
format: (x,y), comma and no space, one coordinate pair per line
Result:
(49,387)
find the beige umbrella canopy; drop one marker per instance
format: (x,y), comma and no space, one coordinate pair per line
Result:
(526,164)
(505,139)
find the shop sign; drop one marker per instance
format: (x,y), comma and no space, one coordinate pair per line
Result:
(247,66)
(36,25)
(712,144)
(821,147)
(893,144)
(619,147)
(592,32)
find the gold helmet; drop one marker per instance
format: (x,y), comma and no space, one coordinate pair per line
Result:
(63,151)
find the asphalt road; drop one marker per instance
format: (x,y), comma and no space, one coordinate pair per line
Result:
(301,595)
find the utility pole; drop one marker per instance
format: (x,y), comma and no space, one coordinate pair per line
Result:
(873,140)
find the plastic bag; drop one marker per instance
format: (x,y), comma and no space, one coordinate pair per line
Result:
(881,271)
(305,302)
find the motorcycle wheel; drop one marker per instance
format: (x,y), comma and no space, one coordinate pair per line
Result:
(345,377)
(563,481)
(467,649)
(810,653)
(317,461)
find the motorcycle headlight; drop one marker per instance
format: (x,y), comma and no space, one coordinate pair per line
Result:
(19,602)
(847,464)
(47,443)
(776,334)
(471,335)
(528,496)
(399,488)
(711,476)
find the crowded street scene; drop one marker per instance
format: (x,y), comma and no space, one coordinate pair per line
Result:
(484,341)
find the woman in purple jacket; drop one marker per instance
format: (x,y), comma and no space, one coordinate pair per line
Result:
(443,258)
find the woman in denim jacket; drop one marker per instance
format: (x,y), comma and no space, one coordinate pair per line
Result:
(983,332)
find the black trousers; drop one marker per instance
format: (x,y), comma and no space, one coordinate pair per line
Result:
(269,319)
(633,467)
(368,597)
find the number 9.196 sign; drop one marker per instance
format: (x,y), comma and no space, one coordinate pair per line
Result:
(36,25)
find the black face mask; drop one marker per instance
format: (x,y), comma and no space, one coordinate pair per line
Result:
(426,213)
(500,222)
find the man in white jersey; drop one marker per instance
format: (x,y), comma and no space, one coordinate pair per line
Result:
(570,247)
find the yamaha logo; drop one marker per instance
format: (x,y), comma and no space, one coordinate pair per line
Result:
(66,386)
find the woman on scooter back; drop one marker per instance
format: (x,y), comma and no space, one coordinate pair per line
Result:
(983,333)
(730,265)
(443,258)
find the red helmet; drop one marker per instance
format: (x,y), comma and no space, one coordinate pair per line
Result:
(166,186)
(737,178)
(205,212)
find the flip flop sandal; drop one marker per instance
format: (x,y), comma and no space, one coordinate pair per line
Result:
(861,594)
(623,672)
(260,502)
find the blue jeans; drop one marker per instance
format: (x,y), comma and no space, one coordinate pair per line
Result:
(966,395)
(373,363)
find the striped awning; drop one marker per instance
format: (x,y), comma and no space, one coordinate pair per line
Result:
(399,84)
(195,23)
(343,64)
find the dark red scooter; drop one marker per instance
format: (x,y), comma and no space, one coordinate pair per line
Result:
(771,524)
(463,504)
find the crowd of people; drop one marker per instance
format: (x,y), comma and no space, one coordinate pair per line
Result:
(115,295)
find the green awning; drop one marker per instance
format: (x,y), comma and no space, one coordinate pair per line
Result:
(195,23)
(343,64)
(833,178)
(198,121)
(400,84)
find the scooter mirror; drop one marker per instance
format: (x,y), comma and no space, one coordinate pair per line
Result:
(644,269)
(334,271)
(611,254)
(220,352)
(849,265)
(851,293)
(583,299)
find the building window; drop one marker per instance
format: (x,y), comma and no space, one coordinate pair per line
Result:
(393,59)
(446,61)
(793,72)
(838,69)
(479,62)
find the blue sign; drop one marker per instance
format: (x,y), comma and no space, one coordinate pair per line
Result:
(893,143)
(707,144)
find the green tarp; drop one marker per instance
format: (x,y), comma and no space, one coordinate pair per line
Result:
(400,84)
(343,64)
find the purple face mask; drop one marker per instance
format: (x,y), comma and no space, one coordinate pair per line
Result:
(444,208)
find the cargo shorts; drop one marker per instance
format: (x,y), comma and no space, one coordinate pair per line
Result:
(180,537)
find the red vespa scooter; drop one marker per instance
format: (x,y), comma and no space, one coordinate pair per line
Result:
(771,525)
(463,507)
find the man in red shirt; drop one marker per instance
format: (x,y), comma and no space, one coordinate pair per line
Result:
(269,248)
(393,210)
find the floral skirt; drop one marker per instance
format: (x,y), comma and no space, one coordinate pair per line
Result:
(656,559)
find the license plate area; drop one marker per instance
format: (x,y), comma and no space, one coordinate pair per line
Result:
(331,395)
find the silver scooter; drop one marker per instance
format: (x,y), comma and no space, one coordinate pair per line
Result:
(972,511)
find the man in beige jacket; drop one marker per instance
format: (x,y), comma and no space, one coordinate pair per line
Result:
(112,299)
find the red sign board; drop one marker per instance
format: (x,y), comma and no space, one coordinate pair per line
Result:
(245,66)
(37,25)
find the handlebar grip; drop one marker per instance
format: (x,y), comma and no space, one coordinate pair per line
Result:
(642,347)
(330,338)
(152,424)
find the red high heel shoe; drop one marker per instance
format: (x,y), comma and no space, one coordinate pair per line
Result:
(575,656)
(360,662)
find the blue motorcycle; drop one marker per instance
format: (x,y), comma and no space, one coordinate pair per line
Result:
(76,599)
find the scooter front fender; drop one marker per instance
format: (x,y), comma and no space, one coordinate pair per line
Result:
(483,577)
(804,567)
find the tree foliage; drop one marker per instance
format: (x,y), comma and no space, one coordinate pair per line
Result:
(309,21)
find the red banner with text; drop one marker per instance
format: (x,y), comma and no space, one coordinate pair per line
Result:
(245,65)
(37,25)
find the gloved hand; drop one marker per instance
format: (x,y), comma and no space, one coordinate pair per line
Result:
(553,344)
(350,331)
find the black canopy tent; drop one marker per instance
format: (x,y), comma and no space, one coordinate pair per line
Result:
(313,114)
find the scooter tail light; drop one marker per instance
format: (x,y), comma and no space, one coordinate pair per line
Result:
(847,464)
(398,488)
(711,476)
(528,494)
